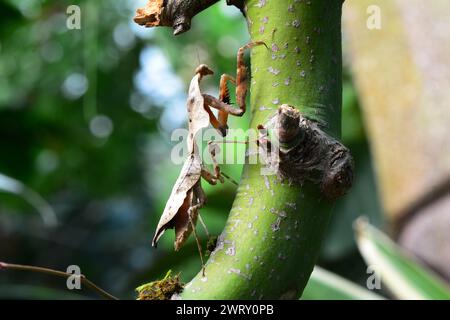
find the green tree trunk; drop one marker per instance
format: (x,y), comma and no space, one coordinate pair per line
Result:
(274,231)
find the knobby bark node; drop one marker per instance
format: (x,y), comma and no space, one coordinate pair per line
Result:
(171,13)
(307,153)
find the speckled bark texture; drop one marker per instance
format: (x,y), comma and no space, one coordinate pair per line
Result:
(273,235)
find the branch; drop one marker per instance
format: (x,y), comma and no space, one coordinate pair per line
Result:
(171,13)
(84,280)
(275,229)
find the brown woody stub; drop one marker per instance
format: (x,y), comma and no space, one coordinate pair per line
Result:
(307,153)
(171,13)
(288,124)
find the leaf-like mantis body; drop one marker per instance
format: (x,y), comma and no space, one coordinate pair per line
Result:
(184,195)
(175,214)
(197,115)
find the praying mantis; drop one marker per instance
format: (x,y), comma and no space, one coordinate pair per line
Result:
(187,196)
(306,152)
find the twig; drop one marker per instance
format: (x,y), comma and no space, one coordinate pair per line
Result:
(171,13)
(84,280)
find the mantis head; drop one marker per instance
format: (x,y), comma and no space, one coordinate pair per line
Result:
(203,70)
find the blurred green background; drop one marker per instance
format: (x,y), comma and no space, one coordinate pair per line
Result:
(85,121)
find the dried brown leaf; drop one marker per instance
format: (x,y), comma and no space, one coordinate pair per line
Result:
(176,211)
(183,196)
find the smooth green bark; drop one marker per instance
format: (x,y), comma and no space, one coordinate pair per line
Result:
(273,234)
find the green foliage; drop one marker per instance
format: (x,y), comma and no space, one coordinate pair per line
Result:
(403,276)
(93,183)
(324,285)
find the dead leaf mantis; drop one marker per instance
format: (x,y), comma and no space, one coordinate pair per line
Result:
(187,196)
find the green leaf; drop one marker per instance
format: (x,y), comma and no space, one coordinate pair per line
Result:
(325,285)
(403,276)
